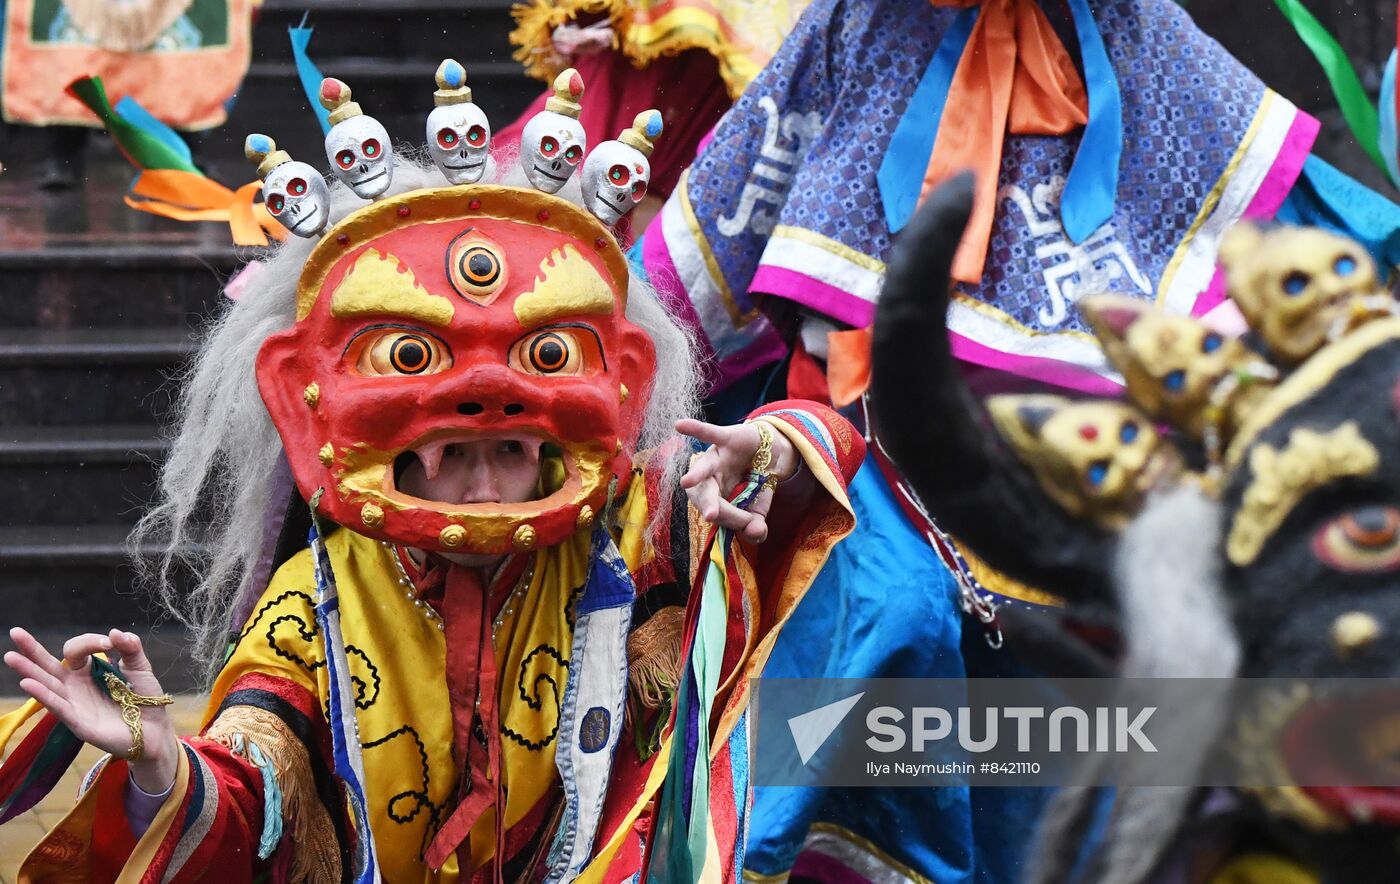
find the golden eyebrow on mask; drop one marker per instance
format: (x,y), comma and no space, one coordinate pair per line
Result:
(1282,477)
(567,285)
(379,284)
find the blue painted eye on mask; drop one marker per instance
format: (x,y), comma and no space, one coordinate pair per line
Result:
(1295,283)
(1175,381)
(1211,342)
(1098,471)
(1345,265)
(1128,432)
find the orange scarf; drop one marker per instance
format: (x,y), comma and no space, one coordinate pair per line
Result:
(1014,76)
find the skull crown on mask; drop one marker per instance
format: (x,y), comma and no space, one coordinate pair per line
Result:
(553,142)
(357,146)
(458,132)
(616,173)
(433,321)
(293,192)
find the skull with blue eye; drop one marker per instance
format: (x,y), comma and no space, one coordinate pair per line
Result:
(1172,365)
(1299,287)
(1096,459)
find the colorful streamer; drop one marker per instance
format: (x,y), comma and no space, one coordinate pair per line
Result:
(902,168)
(1000,69)
(131,111)
(683,823)
(43,756)
(1091,190)
(142,148)
(1356,105)
(169,184)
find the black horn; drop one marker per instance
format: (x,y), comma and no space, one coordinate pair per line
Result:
(936,432)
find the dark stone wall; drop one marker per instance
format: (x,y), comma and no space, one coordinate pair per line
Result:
(1256,33)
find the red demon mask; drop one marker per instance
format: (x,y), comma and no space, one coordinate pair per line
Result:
(452,314)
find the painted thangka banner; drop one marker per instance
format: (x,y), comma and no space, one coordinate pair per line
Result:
(182,59)
(784,200)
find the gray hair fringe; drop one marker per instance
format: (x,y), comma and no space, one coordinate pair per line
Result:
(1177,624)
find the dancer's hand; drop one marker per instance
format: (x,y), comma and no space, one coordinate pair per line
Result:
(67,690)
(715,472)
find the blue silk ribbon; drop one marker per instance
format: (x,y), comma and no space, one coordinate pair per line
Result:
(901,172)
(1387,122)
(1092,187)
(308,73)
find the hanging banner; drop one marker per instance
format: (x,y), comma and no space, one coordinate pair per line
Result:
(182,59)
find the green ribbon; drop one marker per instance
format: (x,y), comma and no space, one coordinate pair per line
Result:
(1356,105)
(142,148)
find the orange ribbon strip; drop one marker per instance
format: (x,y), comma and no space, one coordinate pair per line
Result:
(183,196)
(1014,76)
(848,365)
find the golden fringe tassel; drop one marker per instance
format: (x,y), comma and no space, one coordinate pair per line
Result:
(654,654)
(534,32)
(316,852)
(536,20)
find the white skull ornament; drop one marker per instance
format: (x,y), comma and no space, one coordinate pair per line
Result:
(553,142)
(294,193)
(459,135)
(616,173)
(357,146)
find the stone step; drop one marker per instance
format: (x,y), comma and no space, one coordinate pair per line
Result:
(110,287)
(47,570)
(83,259)
(38,545)
(81,346)
(59,580)
(79,475)
(473,30)
(53,377)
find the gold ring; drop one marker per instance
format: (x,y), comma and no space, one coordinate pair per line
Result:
(131,703)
